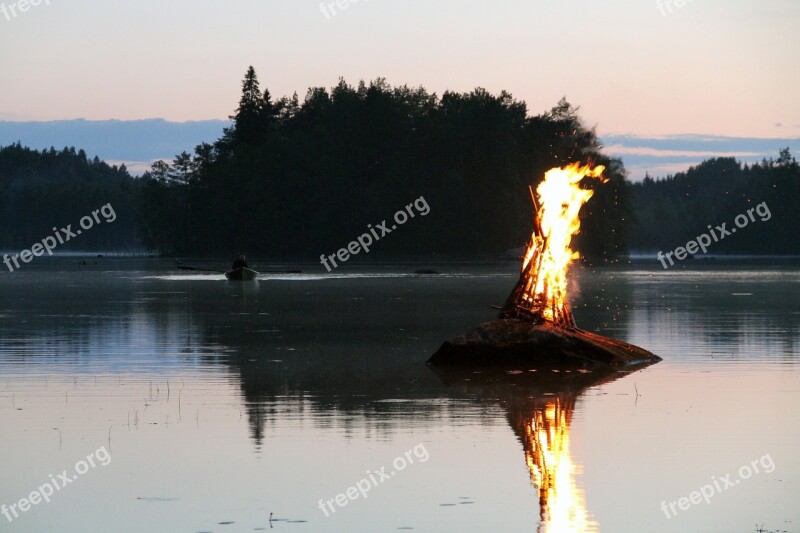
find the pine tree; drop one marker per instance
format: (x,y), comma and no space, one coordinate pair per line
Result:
(248,117)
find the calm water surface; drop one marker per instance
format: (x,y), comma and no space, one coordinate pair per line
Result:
(220,404)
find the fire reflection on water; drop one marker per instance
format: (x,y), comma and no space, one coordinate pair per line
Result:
(545,436)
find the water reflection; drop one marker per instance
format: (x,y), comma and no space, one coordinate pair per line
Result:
(545,437)
(279,370)
(539,408)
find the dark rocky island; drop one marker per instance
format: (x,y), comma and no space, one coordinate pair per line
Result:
(523,344)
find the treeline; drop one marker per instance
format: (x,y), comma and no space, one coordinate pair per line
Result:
(671,211)
(291,179)
(298,179)
(43,189)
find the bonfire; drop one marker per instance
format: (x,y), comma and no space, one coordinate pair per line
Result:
(536,327)
(541,293)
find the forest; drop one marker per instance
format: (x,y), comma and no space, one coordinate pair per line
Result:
(671,211)
(292,180)
(40,190)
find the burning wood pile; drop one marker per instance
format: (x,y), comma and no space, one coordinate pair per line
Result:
(541,292)
(536,326)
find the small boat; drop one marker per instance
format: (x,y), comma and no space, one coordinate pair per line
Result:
(241,274)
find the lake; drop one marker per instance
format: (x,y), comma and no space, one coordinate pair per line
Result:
(136,397)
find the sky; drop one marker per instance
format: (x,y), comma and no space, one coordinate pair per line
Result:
(647,68)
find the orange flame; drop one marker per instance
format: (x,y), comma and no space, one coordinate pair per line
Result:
(547,453)
(560,199)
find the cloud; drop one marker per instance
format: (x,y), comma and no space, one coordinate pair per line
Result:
(662,155)
(136,168)
(136,141)
(619,149)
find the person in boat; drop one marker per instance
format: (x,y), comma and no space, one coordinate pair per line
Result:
(239,262)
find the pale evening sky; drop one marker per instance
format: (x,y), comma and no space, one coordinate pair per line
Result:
(712,67)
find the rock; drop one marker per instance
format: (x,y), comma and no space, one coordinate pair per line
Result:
(522,344)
